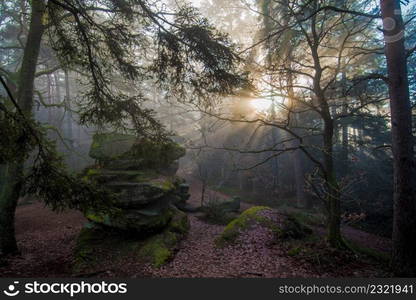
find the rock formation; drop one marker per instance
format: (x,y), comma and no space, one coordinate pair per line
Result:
(142,176)
(148,195)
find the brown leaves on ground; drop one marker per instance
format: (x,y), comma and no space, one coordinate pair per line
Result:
(46,241)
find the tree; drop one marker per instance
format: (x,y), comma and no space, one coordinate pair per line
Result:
(404,223)
(13,172)
(135,40)
(403,258)
(324,44)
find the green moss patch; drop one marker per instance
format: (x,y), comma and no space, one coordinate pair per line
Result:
(142,152)
(248,218)
(160,249)
(108,146)
(101,175)
(140,221)
(285,227)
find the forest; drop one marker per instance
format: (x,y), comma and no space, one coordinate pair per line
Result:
(207,138)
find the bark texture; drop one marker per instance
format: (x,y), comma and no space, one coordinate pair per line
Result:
(12,174)
(404,223)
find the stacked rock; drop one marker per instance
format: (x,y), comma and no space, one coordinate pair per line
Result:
(141,174)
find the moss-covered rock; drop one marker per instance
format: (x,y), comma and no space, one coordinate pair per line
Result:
(160,248)
(140,221)
(142,198)
(247,219)
(123,152)
(99,246)
(103,176)
(283,227)
(110,146)
(140,174)
(156,155)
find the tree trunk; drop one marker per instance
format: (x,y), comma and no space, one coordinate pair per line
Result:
(297,157)
(68,118)
(296,154)
(59,111)
(49,95)
(333,197)
(10,185)
(12,173)
(404,221)
(299,171)
(344,127)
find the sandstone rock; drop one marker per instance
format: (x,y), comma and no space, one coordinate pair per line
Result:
(231,205)
(141,175)
(126,152)
(97,246)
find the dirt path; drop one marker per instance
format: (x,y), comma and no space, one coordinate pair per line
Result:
(198,257)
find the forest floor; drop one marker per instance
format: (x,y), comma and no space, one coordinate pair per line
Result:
(47,239)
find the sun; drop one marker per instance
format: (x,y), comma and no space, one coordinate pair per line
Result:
(261,104)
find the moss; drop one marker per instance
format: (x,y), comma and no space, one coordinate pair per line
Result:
(156,155)
(146,222)
(243,222)
(98,218)
(145,175)
(179,222)
(92,172)
(99,174)
(252,211)
(165,184)
(370,252)
(159,249)
(156,250)
(107,146)
(294,251)
(98,245)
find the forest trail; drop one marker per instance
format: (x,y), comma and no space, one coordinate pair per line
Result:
(46,240)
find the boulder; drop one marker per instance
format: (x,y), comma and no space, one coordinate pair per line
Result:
(110,146)
(96,247)
(231,205)
(126,152)
(141,176)
(160,248)
(280,225)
